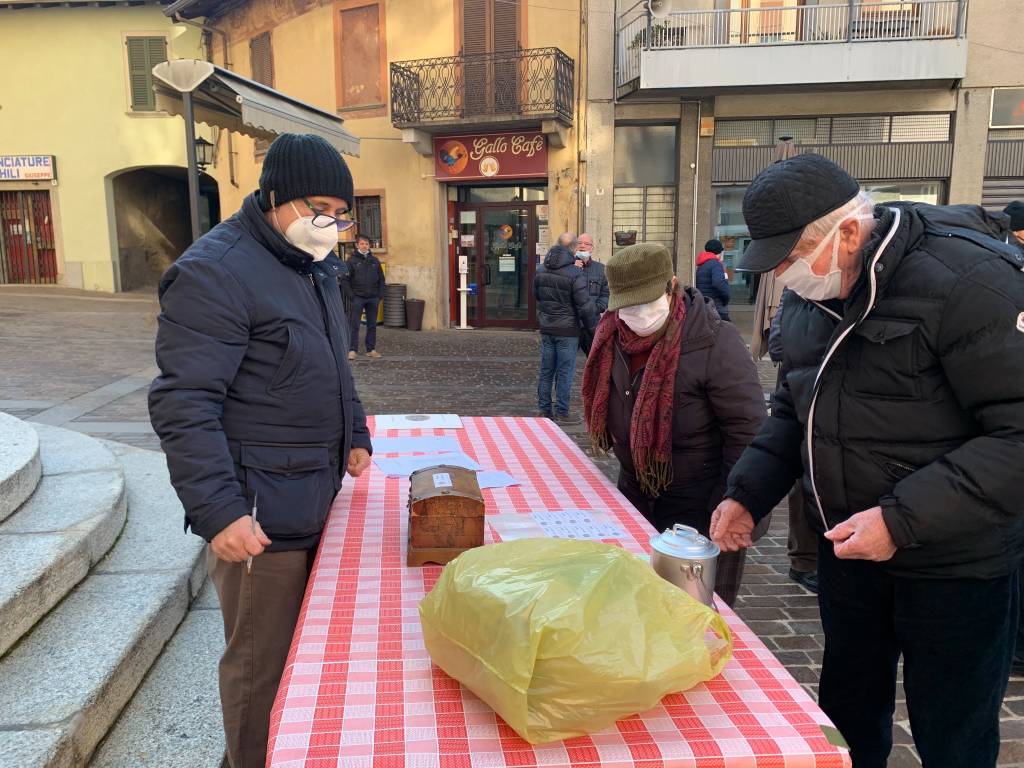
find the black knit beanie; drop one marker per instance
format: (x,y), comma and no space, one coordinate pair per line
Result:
(713,246)
(301,165)
(1015,211)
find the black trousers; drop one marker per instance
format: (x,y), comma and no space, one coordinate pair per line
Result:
(956,637)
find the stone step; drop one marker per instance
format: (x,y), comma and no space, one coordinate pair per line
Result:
(71,521)
(20,465)
(174,720)
(63,686)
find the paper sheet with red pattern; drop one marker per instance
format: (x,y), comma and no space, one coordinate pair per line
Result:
(359,690)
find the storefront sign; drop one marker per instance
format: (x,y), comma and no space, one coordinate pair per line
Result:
(1007,108)
(483,156)
(27,167)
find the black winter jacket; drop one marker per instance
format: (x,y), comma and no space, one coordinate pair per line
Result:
(908,395)
(564,304)
(597,282)
(718,407)
(712,281)
(365,276)
(254,394)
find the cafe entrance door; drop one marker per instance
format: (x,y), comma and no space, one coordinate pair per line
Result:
(500,242)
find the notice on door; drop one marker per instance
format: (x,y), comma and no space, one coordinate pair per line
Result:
(506,263)
(467,241)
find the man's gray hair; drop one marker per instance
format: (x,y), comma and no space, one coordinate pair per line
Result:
(819,228)
(567,240)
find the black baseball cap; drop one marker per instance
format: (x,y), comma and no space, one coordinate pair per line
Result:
(786,197)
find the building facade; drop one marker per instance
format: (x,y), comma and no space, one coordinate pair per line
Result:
(466,112)
(92,178)
(920,100)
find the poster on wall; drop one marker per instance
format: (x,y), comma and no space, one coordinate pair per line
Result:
(484,156)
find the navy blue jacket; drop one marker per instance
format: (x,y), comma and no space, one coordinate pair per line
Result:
(713,283)
(597,281)
(255,395)
(365,276)
(564,304)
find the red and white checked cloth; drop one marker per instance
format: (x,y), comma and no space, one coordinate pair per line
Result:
(359,690)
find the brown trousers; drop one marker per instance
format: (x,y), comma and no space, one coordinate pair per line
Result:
(260,610)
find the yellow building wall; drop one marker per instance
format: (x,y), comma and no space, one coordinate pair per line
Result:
(302,38)
(65,94)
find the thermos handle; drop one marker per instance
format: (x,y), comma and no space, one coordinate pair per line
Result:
(694,572)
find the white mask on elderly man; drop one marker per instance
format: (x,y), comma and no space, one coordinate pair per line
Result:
(645,319)
(316,241)
(804,282)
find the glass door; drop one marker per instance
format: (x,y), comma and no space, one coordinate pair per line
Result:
(466,247)
(506,270)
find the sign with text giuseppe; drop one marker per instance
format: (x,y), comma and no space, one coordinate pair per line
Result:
(486,156)
(27,167)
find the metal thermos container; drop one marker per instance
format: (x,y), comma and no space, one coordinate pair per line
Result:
(687,559)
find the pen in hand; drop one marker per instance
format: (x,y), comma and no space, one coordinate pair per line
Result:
(255,499)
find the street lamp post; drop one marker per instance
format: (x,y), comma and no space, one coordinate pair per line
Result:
(193,168)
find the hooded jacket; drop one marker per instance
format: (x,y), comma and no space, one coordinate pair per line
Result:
(255,394)
(712,281)
(908,395)
(562,291)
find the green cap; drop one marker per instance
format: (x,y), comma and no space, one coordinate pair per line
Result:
(638,274)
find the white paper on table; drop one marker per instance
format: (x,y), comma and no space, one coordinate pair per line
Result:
(417,421)
(513,527)
(578,524)
(403,466)
(495,478)
(425,444)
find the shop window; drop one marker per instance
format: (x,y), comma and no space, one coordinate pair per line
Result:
(931,192)
(144,53)
(369,214)
(644,215)
(361,54)
(261,59)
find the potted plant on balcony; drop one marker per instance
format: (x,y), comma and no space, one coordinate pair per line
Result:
(659,36)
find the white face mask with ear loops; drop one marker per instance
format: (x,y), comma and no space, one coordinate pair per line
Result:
(645,319)
(316,241)
(804,282)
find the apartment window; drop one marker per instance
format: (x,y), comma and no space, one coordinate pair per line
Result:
(261,61)
(361,55)
(370,218)
(144,53)
(644,199)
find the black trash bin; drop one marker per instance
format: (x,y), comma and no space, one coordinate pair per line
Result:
(414,314)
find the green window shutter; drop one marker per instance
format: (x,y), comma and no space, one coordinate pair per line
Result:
(144,53)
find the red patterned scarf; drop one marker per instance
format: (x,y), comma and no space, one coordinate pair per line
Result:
(650,431)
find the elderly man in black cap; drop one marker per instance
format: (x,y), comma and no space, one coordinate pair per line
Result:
(901,405)
(257,411)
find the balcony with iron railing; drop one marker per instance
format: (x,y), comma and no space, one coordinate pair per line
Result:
(852,43)
(494,89)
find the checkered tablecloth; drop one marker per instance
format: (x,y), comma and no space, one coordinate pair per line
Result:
(359,690)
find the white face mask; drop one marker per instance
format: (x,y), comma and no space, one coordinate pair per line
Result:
(804,282)
(316,241)
(645,319)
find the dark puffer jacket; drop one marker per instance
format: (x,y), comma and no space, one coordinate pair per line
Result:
(564,304)
(919,404)
(365,276)
(712,281)
(255,394)
(718,407)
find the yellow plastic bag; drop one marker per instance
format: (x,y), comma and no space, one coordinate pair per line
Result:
(562,638)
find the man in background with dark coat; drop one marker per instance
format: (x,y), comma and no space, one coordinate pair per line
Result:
(366,292)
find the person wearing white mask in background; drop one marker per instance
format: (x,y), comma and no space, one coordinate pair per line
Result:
(671,389)
(900,407)
(257,411)
(597,283)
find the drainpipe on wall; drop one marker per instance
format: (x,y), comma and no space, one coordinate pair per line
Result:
(211,30)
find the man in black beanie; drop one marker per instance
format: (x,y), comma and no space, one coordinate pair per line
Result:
(257,411)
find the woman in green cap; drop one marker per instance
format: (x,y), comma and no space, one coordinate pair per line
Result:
(672,390)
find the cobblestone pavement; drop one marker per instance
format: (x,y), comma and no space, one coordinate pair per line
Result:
(84,361)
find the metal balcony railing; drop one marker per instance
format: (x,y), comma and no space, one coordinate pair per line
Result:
(852,21)
(535,83)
